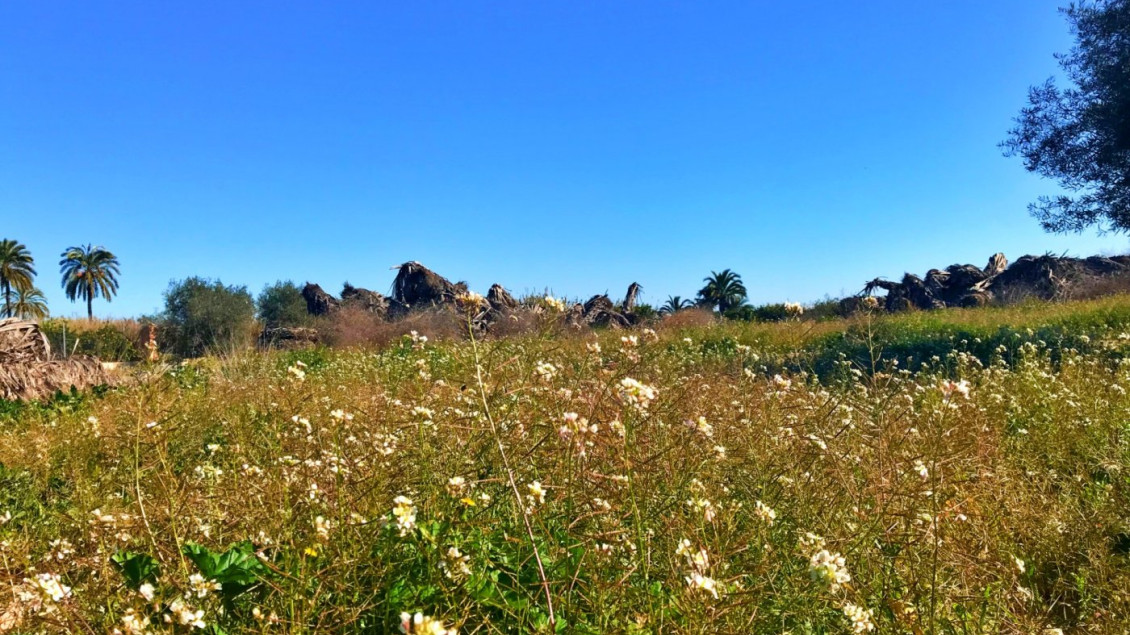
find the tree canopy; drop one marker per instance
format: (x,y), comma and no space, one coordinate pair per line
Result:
(203,316)
(1079,135)
(282,304)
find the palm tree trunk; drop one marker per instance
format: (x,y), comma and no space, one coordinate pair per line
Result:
(7,298)
(89,305)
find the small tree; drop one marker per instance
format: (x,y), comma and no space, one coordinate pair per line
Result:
(205,316)
(282,304)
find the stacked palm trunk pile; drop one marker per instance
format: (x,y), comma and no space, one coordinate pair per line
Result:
(27,370)
(1043,277)
(418,288)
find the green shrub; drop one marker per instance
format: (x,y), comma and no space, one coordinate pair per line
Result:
(203,316)
(282,304)
(646,311)
(826,309)
(770,313)
(108,342)
(743,313)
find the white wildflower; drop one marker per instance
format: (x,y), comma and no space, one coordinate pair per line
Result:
(201,586)
(636,394)
(860,618)
(829,568)
(456,486)
(405,514)
(420,624)
(764,512)
(536,496)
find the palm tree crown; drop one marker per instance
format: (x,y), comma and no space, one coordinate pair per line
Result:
(30,304)
(17,269)
(89,272)
(674,304)
(724,290)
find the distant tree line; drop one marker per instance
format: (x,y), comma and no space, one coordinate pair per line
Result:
(203,316)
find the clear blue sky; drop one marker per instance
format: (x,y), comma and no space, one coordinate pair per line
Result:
(573,145)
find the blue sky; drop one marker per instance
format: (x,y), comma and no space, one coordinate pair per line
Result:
(578,146)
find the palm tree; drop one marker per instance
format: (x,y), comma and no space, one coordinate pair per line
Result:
(724,290)
(30,304)
(89,272)
(16,270)
(675,304)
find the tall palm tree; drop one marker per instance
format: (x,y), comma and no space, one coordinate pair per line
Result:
(30,304)
(724,290)
(675,304)
(89,272)
(17,269)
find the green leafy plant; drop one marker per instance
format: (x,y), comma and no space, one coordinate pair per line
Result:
(136,568)
(237,569)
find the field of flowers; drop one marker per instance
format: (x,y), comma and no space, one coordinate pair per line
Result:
(694,480)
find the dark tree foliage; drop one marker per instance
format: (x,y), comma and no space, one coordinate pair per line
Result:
(1080,135)
(282,304)
(204,316)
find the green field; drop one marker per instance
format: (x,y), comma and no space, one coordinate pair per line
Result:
(961,471)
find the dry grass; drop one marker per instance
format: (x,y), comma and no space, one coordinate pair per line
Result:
(687,318)
(357,328)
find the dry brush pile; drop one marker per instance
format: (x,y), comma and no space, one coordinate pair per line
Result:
(420,294)
(628,483)
(1044,277)
(28,371)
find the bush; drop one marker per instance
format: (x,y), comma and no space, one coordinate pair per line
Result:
(203,316)
(763,313)
(744,313)
(646,312)
(282,304)
(826,309)
(109,341)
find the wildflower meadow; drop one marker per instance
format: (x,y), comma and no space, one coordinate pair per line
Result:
(697,479)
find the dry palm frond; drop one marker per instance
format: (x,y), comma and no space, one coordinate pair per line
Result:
(28,372)
(22,341)
(39,380)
